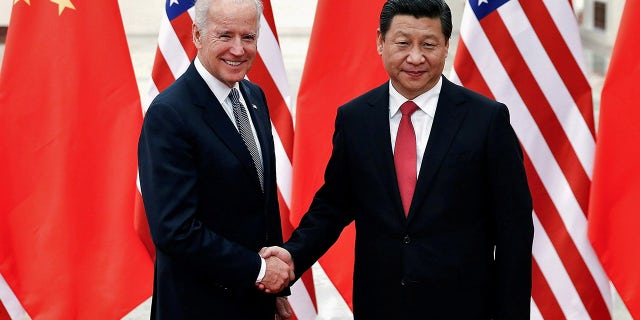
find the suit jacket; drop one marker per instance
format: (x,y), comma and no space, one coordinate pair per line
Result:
(464,251)
(207,214)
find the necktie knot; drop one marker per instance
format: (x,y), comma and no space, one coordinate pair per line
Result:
(408,108)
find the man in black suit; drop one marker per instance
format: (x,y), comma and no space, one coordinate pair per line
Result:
(433,176)
(207,173)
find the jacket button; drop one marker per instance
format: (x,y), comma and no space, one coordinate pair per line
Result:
(403,283)
(406,239)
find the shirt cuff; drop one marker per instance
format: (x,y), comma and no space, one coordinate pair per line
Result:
(263,269)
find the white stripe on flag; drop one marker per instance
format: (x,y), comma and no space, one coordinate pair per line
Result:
(300,301)
(535,312)
(151,93)
(10,301)
(172,49)
(283,168)
(272,57)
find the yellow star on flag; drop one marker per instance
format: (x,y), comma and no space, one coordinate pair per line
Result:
(63,4)
(27,1)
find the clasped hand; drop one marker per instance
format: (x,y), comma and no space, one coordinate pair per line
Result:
(279,271)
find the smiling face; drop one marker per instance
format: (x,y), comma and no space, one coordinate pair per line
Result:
(228,44)
(413,52)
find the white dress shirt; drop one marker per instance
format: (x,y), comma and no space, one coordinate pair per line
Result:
(221,91)
(422,119)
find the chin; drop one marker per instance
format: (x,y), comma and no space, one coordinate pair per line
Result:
(233,80)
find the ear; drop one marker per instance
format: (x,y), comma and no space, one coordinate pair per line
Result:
(379,41)
(446,46)
(195,34)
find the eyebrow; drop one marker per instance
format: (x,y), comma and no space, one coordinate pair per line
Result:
(427,36)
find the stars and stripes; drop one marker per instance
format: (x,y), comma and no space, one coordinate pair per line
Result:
(174,53)
(175,48)
(528,55)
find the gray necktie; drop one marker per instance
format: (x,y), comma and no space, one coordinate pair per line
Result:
(244,128)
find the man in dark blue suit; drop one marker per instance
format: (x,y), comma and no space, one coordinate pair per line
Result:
(207,173)
(433,176)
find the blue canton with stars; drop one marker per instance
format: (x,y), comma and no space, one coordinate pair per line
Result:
(483,8)
(175,8)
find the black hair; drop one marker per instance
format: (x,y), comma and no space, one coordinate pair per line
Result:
(419,9)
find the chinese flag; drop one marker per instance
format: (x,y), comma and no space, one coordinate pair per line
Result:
(614,215)
(342,63)
(69,122)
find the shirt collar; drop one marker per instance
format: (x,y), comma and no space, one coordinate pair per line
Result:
(219,89)
(426,102)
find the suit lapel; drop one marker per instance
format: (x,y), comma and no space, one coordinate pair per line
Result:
(447,121)
(380,131)
(218,120)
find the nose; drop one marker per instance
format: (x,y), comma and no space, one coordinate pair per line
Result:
(237,47)
(415,55)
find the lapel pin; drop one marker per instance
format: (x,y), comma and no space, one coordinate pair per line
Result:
(254,106)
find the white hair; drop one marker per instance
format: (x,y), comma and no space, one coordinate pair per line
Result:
(202,7)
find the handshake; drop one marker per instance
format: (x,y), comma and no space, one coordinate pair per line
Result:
(279,271)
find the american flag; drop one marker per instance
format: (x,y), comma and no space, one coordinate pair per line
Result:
(528,55)
(175,52)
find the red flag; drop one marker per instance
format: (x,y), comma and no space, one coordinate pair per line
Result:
(69,123)
(335,72)
(615,202)
(175,52)
(528,55)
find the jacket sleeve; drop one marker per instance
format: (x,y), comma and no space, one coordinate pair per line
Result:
(511,205)
(329,212)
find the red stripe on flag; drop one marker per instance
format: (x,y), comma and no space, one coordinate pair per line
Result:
(539,107)
(161,74)
(278,109)
(468,71)
(572,261)
(307,278)
(4,315)
(543,296)
(561,57)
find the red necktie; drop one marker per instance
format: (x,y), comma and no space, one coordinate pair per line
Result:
(404,155)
